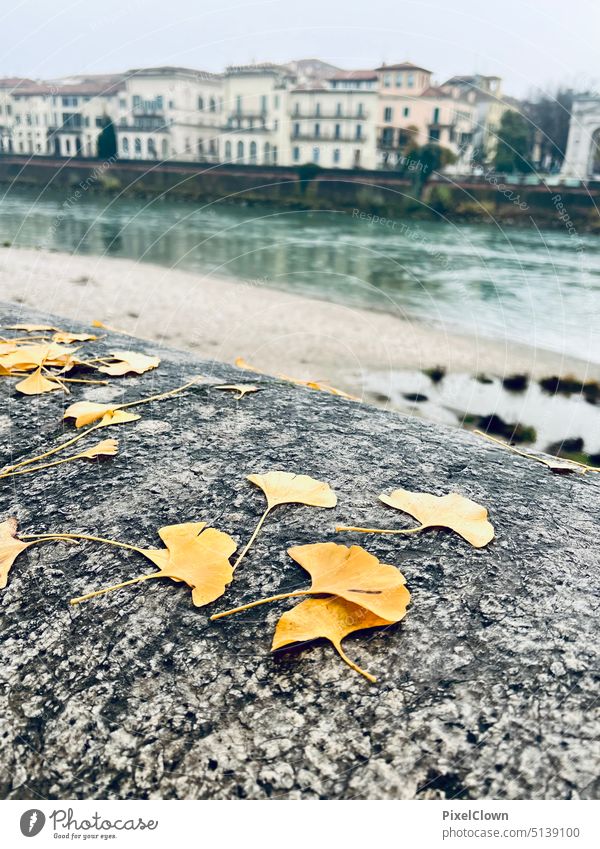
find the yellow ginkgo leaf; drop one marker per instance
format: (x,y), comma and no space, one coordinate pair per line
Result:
(105,448)
(28,357)
(288,488)
(64,337)
(10,548)
(129,361)
(350,573)
(31,328)
(355,575)
(241,388)
(86,412)
(311,384)
(198,557)
(330,618)
(36,384)
(115,417)
(453,511)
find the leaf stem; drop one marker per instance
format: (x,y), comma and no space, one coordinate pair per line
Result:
(158,397)
(380,530)
(109,589)
(255,533)
(44,465)
(353,665)
(260,601)
(518,451)
(83,537)
(58,448)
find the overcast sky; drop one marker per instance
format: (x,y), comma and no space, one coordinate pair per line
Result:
(529,44)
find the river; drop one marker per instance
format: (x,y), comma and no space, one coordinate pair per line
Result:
(535,287)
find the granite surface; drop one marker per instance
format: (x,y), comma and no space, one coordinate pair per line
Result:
(487,689)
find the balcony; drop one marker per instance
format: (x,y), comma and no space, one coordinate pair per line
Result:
(328,116)
(328,137)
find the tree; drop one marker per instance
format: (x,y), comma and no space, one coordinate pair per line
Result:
(514,143)
(423,161)
(107,141)
(550,116)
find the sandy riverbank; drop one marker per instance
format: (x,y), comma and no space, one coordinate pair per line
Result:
(276,331)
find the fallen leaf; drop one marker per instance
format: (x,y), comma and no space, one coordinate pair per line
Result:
(453,511)
(36,384)
(288,488)
(330,618)
(64,337)
(29,357)
(115,417)
(86,412)
(557,465)
(311,384)
(129,361)
(10,548)
(354,574)
(105,448)
(198,557)
(241,388)
(31,328)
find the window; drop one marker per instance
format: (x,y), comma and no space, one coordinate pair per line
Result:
(137,146)
(399,79)
(238,104)
(171,104)
(387,137)
(296,154)
(296,108)
(317,130)
(406,111)
(296,130)
(317,109)
(263,103)
(359,134)
(240,151)
(227,151)
(274,154)
(188,146)
(338,109)
(388,114)
(336,156)
(253,152)
(200,104)
(267,152)
(151,149)
(316,154)
(387,80)
(200,146)
(434,135)
(165,148)
(125,145)
(137,101)
(410,80)
(122,103)
(337,131)
(360,110)
(159,103)
(436,115)
(212,105)
(67,144)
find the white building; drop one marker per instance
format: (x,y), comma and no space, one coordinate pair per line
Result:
(169,113)
(582,157)
(333,123)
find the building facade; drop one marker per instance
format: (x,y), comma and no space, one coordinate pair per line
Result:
(261,114)
(582,157)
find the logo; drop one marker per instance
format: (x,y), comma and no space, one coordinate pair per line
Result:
(32,822)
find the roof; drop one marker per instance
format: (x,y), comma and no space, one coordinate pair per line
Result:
(171,69)
(404,66)
(259,68)
(354,75)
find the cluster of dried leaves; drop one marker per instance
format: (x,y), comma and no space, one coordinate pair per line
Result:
(351,590)
(44,356)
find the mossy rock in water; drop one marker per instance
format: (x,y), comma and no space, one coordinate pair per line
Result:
(515,382)
(496,426)
(436,374)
